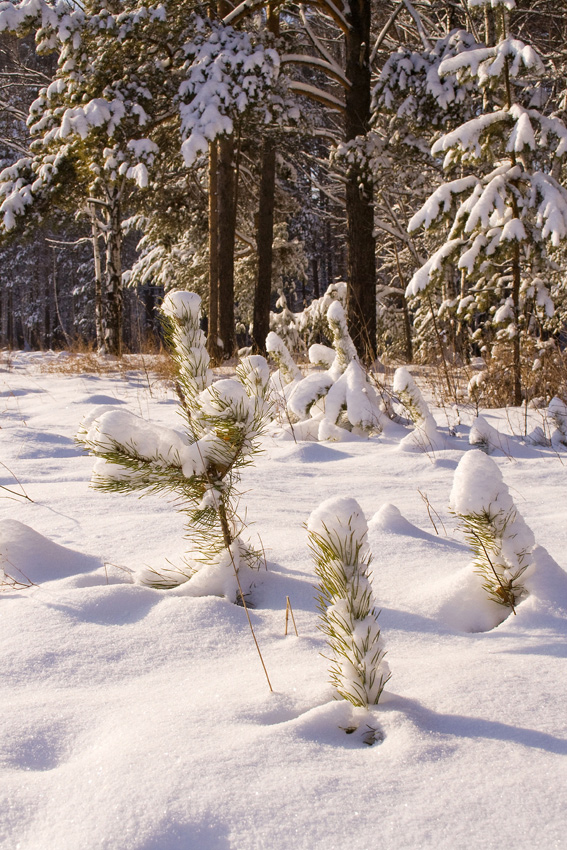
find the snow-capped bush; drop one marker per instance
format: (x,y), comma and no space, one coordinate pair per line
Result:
(338,540)
(308,323)
(500,540)
(339,400)
(321,355)
(288,369)
(199,464)
(188,343)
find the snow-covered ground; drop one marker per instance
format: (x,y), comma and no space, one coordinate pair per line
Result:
(140,718)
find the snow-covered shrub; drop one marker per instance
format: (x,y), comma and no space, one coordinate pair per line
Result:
(338,540)
(426,435)
(199,464)
(321,355)
(310,323)
(341,399)
(285,324)
(500,540)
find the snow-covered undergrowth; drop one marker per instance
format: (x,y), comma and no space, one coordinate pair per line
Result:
(337,404)
(140,719)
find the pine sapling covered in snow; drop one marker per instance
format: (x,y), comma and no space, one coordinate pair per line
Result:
(288,368)
(487,438)
(199,464)
(426,435)
(499,539)
(181,311)
(338,540)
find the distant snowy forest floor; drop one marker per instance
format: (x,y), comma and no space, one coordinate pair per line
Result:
(140,719)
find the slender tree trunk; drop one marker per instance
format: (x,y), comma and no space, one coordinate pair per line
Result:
(226,210)
(99,285)
(265,231)
(516,264)
(517,353)
(361,248)
(264,241)
(113,329)
(405,309)
(213,326)
(315,269)
(226,230)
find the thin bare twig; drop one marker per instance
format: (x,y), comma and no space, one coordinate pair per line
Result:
(288,611)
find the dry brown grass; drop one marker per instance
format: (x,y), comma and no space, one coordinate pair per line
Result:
(81,362)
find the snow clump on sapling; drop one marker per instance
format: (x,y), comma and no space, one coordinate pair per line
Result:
(181,312)
(338,540)
(321,355)
(501,542)
(288,369)
(199,464)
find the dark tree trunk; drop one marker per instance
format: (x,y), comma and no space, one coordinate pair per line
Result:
(113,329)
(213,318)
(264,241)
(265,232)
(226,229)
(361,259)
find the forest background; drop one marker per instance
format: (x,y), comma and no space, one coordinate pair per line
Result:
(259,153)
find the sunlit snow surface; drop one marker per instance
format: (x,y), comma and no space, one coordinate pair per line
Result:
(138,718)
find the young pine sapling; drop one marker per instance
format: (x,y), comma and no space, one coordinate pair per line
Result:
(338,541)
(200,464)
(500,540)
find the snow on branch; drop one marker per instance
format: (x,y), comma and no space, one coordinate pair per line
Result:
(440,201)
(486,63)
(227,74)
(421,279)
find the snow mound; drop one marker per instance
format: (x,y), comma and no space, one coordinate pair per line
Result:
(29,556)
(311,453)
(389,519)
(464,605)
(547,582)
(98,398)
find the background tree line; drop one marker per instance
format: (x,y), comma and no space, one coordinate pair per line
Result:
(238,150)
